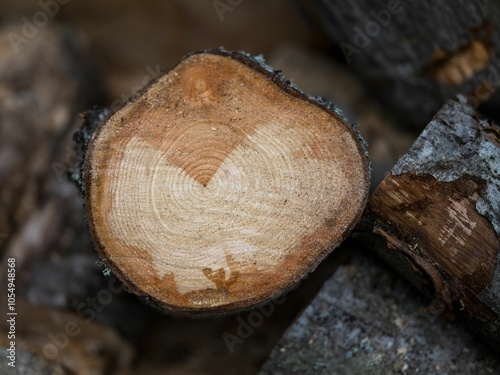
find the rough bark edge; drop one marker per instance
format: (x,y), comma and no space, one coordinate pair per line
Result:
(422,158)
(96,119)
(475,157)
(479,159)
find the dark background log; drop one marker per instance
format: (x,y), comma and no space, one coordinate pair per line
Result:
(65,343)
(366,320)
(418,54)
(43,88)
(436,217)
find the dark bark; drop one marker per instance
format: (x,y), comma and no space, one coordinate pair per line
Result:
(418,53)
(436,217)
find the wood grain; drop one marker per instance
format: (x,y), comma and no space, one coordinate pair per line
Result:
(219,186)
(435,217)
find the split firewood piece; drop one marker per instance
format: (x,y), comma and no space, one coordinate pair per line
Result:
(220,185)
(436,216)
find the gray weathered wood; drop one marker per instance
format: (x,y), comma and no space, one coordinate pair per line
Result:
(418,53)
(366,320)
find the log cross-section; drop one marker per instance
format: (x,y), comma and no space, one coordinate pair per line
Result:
(220,185)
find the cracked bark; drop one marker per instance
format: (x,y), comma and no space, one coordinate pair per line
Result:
(436,217)
(418,54)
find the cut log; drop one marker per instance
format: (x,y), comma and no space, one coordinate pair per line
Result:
(220,185)
(418,54)
(436,217)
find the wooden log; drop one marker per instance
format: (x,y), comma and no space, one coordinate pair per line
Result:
(220,185)
(44,84)
(436,217)
(368,320)
(418,53)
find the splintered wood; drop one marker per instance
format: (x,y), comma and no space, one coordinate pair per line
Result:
(219,186)
(436,216)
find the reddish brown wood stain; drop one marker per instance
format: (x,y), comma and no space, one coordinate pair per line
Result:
(437,227)
(441,231)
